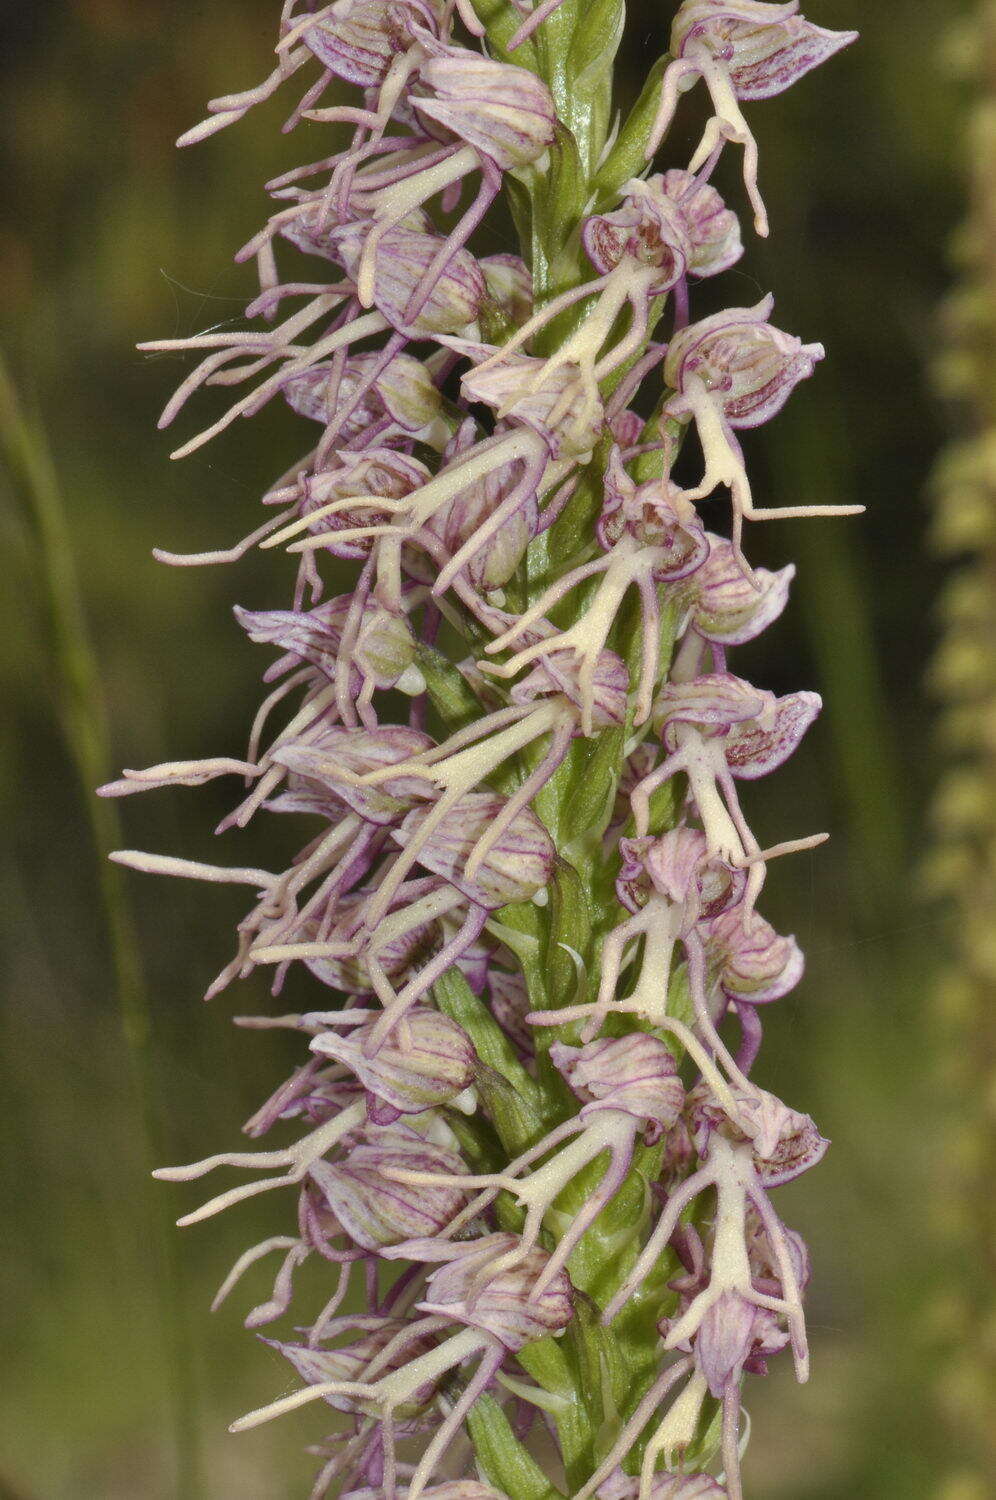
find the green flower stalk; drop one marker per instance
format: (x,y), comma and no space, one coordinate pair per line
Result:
(520,1126)
(962,868)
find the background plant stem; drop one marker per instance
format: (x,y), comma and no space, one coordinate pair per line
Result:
(79,702)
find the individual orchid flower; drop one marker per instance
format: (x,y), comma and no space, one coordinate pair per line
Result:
(364,42)
(450,305)
(431,1061)
(717,728)
(371,1207)
(405,1079)
(743,50)
(629,1086)
(516,862)
(672,220)
(381,647)
(736,370)
(650,536)
(668,227)
(501,1320)
(715,1315)
(670,885)
(350,1211)
(497,116)
(750,965)
(548,702)
(540,444)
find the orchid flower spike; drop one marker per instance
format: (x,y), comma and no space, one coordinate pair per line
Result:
(523,1152)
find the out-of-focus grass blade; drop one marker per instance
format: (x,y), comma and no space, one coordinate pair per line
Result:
(79,704)
(834,597)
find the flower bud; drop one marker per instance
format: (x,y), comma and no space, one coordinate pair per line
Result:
(358,751)
(350,974)
(427,1061)
(377,471)
(357,40)
(729,608)
(749,365)
(401,260)
(374,1210)
(403,391)
(318,1366)
(754,963)
(501,1307)
(635,1074)
(517,865)
(504,112)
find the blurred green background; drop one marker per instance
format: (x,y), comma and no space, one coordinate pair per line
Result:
(117,1383)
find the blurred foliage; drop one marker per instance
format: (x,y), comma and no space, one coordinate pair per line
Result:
(110,237)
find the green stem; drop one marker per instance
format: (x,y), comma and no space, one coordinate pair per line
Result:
(595,1377)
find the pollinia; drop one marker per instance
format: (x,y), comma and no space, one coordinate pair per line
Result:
(523,1135)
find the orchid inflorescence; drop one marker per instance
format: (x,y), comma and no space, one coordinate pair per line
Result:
(518,1129)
